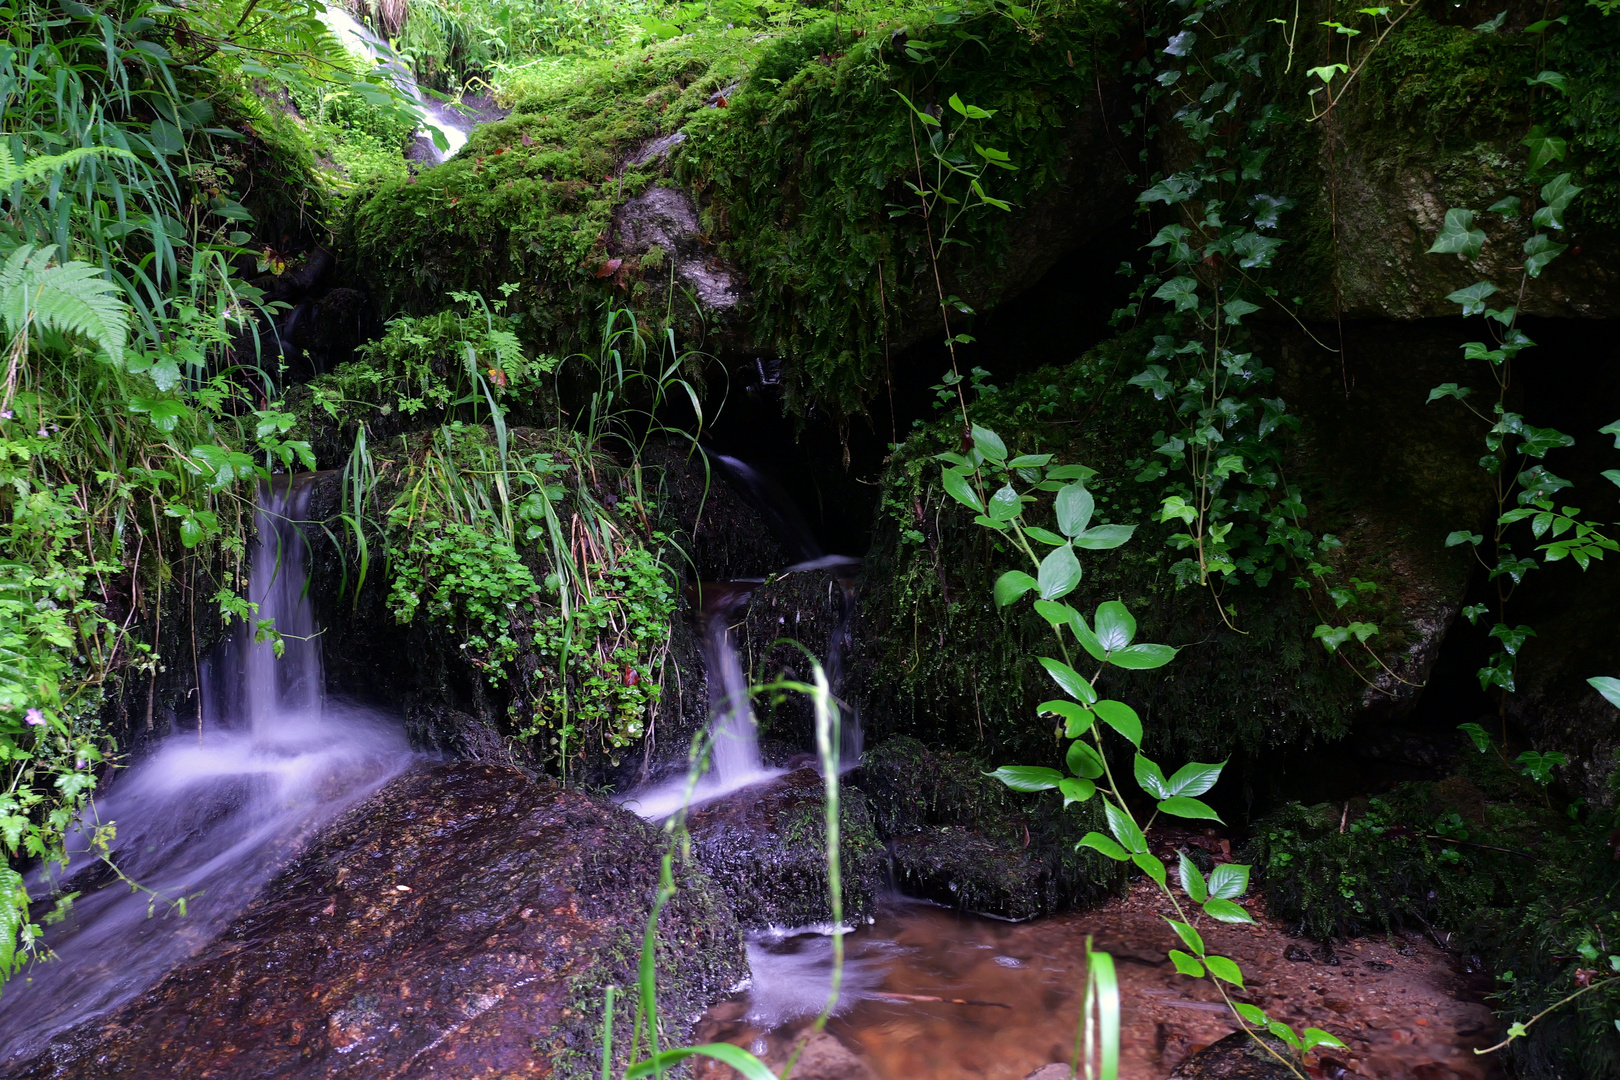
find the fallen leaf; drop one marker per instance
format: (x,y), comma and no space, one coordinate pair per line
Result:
(609,267)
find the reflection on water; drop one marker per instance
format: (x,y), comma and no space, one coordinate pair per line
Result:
(932,994)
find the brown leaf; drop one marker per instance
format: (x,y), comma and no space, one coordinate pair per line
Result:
(609,267)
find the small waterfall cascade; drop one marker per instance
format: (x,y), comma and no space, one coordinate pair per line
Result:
(208,815)
(361,40)
(734,760)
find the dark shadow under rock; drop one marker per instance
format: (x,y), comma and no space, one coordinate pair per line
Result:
(766,846)
(462,922)
(1236,1057)
(961,838)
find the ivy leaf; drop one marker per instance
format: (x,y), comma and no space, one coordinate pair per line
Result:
(1186,965)
(1540,250)
(1181,291)
(1255,251)
(1481,739)
(1028,777)
(1183,807)
(1472,300)
(1084,761)
(1224,970)
(1192,882)
(1096,841)
(1236,309)
(1074,506)
(1229,881)
(1142,657)
(1450,389)
(1553,79)
(1458,236)
(957,486)
(1544,148)
(1556,195)
(1070,681)
(1115,625)
(1011,585)
(1121,717)
(1059,573)
(1075,789)
(1612,429)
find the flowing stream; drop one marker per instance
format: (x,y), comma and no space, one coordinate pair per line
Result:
(207,815)
(362,40)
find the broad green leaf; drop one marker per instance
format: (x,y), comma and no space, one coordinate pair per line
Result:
(1544,148)
(1142,657)
(1029,461)
(1151,866)
(1182,806)
(1463,536)
(1104,537)
(1096,841)
(165,413)
(1081,473)
(1189,937)
(1225,911)
(1186,965)
(1011,585)
(1084,761)
(1087,638)
(1069,680)
(1075,789)
(1481,739)
(1181,291)
(1077,719)
(989,444)
(1121,717)
(1074,506)
(1114,624)
(1229,881)
(1028,777)
(1150,778)
(1450,389)
(1045,536)
(1125,829)
(1472,298)
(957,486)
(1314,1037)
(1556,195)
(1057,615)
(1553,79)
(1059,574)
(749,1066)
(1224,969)
(1609,687)
(1251,1013)
(1283,1032)
(1005,504)
(1192,882)
(1458,235)
(1255,251)
(1540,250)
(1195,778)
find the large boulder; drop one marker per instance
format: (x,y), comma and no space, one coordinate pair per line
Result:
(462,922)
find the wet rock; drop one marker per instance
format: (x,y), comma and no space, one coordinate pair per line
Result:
(722,532)
(1054,1071)
(667,219)
(462,922)
(1236,1057)
(801,608)
(1297,953)
(765,846)
(961,838)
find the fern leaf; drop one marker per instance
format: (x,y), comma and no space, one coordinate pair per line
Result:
(40,165)
(73,298)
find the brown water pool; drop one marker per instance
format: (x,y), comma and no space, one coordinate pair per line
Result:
(933,994)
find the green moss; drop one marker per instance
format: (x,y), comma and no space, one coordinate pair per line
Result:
(1449,83)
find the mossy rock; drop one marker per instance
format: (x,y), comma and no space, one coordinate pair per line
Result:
(961,838)
(765,846)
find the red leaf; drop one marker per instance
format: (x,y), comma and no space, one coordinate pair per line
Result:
(609,267)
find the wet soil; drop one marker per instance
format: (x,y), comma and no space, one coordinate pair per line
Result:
(936,994)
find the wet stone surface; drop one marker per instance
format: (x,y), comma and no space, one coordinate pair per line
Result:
(931,993)
(461,922)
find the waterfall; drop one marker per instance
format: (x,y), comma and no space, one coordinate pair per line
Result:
(210,814)
(734,760)
(361,40)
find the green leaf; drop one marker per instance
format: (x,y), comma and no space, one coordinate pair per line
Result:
(1181,291)
(1096,841)
(1608,687)
(1224,970)
(1057,615)
(1192,882)
(1115,625)
(73,298)
(1255,251)
(1075,789)
(1458,236)
(1087,638)
(1150,866)
(1028,777)
(1229,881)
(989,444)
(1069,680)
(1074,506)
(1142,657)
(1450,389)
(1472,298)
(1059,573)
(1029,461)
(1544,148)
(1251,1013)
(1556,195)
(1011,585)
(1550,78)
(1225,911)
(1125,829)
(1104,537)
(165,413)
(1507,206)
(1005,504)
(1189,937)
(1182,806)
(1283,1032)
(1540,250)
(957,486)
(1463,536)
(1084,761)
(1314,1037)
(1150,778)
(1121,717)
(1186,965)
(1481,739)
(749,1066)
(1195,778)
(1077,719)
(1045,536)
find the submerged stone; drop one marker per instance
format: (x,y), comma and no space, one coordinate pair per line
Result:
(462,922)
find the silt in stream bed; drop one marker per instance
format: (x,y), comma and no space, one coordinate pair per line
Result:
(1007,997)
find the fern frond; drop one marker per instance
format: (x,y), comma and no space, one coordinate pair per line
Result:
(40,165)
(73,298)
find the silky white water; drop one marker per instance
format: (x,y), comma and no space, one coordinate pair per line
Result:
(361,40)
(208,814)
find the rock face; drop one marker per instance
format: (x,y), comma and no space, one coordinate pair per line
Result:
(766,845)
(462,922)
